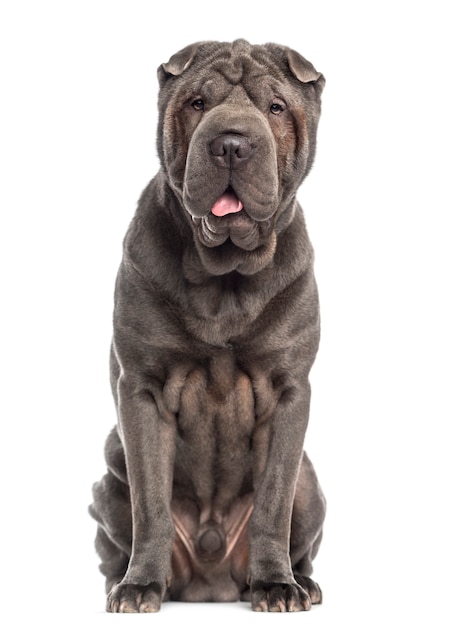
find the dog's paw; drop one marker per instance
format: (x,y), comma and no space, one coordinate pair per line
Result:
(124,598)
(279,597)
(312,588)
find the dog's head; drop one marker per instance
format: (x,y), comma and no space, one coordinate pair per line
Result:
(236,137)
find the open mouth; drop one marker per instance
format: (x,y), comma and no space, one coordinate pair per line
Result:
(227,203)
(229,223)
(228,238)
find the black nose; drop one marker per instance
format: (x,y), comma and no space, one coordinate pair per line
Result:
(231,150)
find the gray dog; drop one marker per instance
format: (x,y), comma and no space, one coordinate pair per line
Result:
(209,495)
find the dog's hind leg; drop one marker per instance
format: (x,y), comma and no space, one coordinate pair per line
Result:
(114,561)
(306,528)
(112,510)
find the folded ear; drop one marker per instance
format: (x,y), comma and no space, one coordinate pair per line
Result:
(303,70)
(177,63)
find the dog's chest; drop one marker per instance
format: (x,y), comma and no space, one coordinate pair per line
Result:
(221,308)
(215,409)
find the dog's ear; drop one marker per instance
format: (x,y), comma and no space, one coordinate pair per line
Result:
(177,63)
(303,70)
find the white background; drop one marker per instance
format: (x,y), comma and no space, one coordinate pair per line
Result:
(383,206)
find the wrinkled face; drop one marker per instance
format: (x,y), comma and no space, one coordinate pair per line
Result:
(237,138)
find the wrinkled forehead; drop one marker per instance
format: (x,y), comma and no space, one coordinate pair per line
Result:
(240,62)
(241,65)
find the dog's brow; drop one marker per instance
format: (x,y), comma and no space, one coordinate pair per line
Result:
(233,74)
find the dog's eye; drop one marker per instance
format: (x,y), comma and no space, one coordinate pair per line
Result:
(276,108)
(198,104)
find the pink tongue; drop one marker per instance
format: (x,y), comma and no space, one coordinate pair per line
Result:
(228,203)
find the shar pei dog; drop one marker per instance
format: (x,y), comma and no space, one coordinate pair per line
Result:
(208,494)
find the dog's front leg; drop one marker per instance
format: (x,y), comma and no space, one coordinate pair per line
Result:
(149,443)
(278,448)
